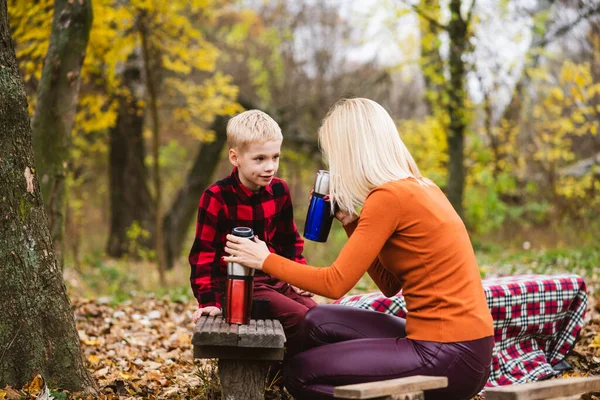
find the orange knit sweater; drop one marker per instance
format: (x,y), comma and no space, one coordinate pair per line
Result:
(408,237)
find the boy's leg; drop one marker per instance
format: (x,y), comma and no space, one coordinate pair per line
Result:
(288,311)
(329,323)
(289,291)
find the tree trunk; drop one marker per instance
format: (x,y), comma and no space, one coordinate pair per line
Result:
(37,328)
(130,200)
(55,110)
(150,69)
(457,31)
(432,64)
(177,221)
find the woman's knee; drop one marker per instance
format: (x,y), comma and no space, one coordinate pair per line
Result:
(320,314)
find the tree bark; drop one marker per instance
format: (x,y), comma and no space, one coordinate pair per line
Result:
(130,199)
(56,104)
(37,328)
(457,31)
(150,69)
(181,214)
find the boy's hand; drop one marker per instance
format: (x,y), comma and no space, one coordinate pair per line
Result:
(302,292)
(210,310)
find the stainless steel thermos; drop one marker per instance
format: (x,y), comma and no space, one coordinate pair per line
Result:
(319,216)
(240,286)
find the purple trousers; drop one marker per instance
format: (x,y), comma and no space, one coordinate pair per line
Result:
(347,345)
(288,307)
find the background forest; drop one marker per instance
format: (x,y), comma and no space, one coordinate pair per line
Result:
(500,108)
(501,111)
(498,101)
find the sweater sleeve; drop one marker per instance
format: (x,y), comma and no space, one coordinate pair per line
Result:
(375,226)
(387,282)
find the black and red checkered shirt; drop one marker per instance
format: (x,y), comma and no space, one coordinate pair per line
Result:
(228,204)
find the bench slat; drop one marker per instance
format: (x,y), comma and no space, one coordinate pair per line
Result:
(390,387)
(544,390)
(269,327)
(254,337)
(214,331)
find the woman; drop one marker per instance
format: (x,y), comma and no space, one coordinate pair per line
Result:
(407,237)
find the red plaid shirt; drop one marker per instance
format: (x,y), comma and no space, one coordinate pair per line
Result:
(228,204)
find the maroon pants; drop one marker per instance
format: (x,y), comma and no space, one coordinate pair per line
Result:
(289,308)
(348,345)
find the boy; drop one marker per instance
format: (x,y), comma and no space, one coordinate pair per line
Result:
(252,197)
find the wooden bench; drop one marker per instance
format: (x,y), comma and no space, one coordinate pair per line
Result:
(555,389)
(410,388)
(244,353)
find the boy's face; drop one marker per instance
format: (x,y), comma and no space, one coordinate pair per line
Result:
(257,164)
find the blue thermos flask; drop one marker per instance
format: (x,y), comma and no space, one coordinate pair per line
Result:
(319,216)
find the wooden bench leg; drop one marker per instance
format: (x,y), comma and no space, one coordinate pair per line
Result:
(403,396)
(243,379)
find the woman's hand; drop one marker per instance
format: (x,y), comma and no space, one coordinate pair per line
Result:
(344,217)
(247,252)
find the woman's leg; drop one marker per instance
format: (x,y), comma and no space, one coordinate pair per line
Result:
(325,324)
(314,373)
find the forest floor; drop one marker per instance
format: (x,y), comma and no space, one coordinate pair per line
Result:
(137,338)
(141,349)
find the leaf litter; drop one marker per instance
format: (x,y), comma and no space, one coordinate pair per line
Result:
(141,349)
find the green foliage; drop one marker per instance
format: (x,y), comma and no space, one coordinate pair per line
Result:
(136,235)
(108,277)
(426,141)
(58,395)
(497,260)
(177,294)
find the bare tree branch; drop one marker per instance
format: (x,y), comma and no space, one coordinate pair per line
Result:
(470,13)
(424,15)
(563,30)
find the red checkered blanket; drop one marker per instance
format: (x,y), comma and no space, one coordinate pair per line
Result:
(536,321)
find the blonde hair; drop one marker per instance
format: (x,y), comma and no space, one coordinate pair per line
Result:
(363,148)
(251,126)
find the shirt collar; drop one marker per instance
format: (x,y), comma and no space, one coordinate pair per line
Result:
(240,188)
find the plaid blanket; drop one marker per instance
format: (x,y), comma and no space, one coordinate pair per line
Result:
(536,322)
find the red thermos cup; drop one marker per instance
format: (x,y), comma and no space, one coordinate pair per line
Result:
(240,286)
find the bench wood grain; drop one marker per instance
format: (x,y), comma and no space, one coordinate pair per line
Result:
(244,352)
(410,388)
(551,389)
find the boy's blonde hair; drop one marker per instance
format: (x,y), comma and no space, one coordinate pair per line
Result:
(251,126)
(363,148)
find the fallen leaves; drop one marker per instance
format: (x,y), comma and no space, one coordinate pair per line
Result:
(141,349)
